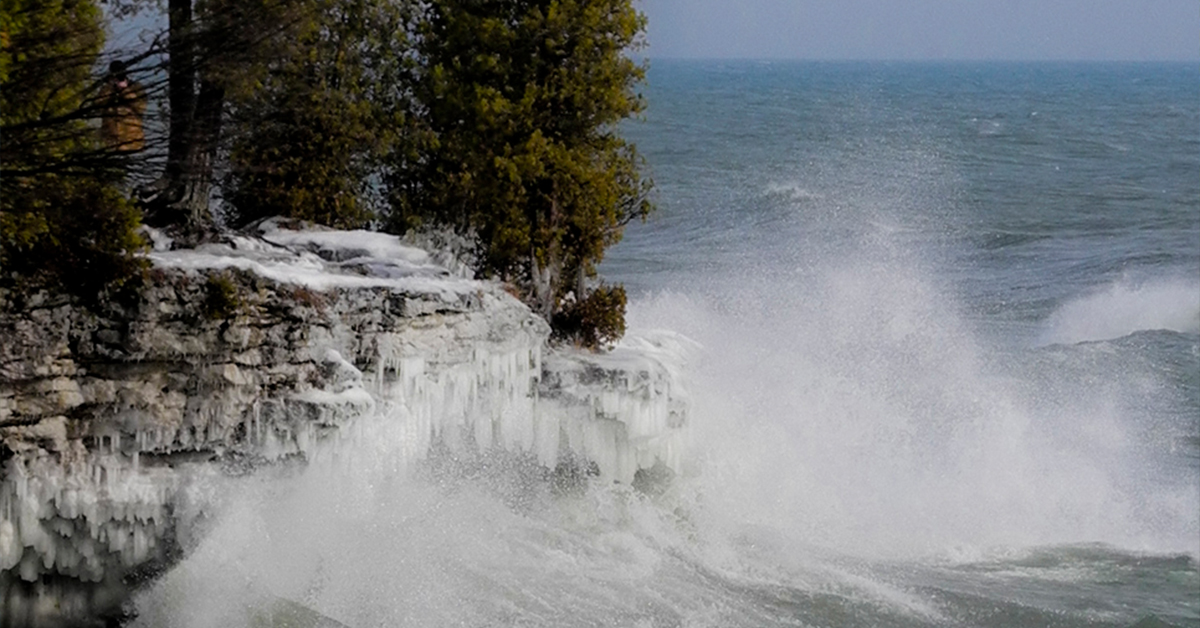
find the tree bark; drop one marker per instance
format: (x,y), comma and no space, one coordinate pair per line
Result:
(190,191)
(546,278)
(545,282)
(181,89)
(194,134)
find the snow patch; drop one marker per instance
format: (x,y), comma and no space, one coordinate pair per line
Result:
(307,269)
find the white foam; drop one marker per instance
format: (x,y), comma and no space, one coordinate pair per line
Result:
(856,410)
(1123,308)
(792,191)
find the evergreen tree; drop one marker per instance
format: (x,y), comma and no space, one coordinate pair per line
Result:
(310,137)
(49,51)
(520,100)
(63,221)
(215,49)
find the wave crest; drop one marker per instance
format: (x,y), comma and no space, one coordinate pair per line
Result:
(1124,308)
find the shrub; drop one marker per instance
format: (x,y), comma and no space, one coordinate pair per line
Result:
(595,322)
(76,234)
(221,298)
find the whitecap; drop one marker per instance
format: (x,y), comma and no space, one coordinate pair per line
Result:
(792,192)
(1123,308)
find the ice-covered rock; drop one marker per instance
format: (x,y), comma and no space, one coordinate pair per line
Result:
(118,420)
(626,409)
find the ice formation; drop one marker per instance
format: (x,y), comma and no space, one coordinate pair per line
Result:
(624,410)
(119,424)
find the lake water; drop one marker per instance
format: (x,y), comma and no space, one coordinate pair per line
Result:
(950,377)
(951,318)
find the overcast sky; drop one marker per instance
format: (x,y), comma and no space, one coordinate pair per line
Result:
(925,29)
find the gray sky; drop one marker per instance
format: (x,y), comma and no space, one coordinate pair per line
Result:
(926,29)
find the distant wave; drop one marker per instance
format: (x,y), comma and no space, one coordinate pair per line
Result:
(792,192)
(988,128)
(1124,308)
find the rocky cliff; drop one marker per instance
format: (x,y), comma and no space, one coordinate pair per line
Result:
(119,420)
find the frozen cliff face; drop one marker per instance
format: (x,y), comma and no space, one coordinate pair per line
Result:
(121,423)
(625,410)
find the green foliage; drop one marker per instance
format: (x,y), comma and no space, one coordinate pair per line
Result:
(520,101)
(496,117)
(310,136)
(63,222)
(47,50)
(221,297)
(73,233)
(595,322)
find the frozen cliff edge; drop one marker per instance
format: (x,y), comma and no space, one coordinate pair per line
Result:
(116,421)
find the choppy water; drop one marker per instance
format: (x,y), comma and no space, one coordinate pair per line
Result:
(953,321)
(950,377)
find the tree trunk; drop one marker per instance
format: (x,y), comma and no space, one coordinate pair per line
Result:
(181,89)
(194,134)
(192,187)
(581,281)
(546,278)
(545,281)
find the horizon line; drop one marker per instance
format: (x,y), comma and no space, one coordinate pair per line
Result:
(919,59)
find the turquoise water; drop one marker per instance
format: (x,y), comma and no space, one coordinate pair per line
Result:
(952,323)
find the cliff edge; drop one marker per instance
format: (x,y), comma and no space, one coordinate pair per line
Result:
(117,420)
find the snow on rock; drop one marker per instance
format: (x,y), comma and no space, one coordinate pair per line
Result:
(322,260)
(117,421)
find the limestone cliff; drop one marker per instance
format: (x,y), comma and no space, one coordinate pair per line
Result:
(119,420)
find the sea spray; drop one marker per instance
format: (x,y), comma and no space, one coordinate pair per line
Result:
(1125,307)
(855,408)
